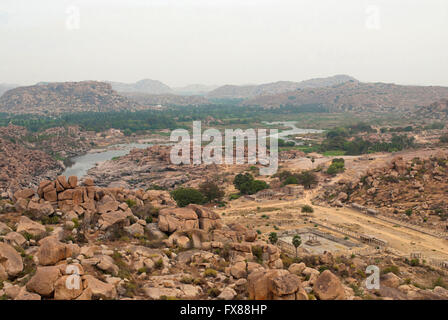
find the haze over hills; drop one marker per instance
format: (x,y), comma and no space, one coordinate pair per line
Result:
(194,89)
(148,86)
(6,86)
(250,91)
(356,96)
(339,93)
(59,97)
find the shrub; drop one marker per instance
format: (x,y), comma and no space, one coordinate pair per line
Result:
(439,283)
(210,273)
(394,269)
(258,254)
(307,209)
(185,196)
(131,203)
(213,292)
(273,238)
(337,166)
(159,264)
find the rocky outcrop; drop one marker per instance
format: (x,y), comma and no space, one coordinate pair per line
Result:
(329,287)
(10,260)
(275,284)
(56,98)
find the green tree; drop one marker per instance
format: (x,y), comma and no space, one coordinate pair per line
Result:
(211,191)
(273,238)
(246,184)
(296,242)
(185,196)
(307,179)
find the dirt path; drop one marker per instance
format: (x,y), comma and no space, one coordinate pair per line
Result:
(399,238)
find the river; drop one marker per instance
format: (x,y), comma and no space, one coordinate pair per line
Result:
(82,164)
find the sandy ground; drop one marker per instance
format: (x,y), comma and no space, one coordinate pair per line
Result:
(285,213)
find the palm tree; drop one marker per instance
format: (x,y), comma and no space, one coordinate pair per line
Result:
(296,242)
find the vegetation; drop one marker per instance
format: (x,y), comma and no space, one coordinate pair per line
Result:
(246,184)
(211,191)
(337,166)
(185,196)
(307,209)
(296,242)
(273,237)
(305,178)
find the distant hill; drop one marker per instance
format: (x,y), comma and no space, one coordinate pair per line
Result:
(6,86)
(59,97)
(356,96)
(194,89)
(252,91)
(143,86)
(166,99)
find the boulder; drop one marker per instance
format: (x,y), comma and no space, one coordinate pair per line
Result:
(107,264)
(390,280)
(25,295)
(39,210)
(44,280)
(107,204)
(239,270)
(62,180)
(73,181)
(329,287)
(24,194)
(208,219)
(111,218)
(227,294)
(62,291)
(177,219)
(285,284)
(4,229)
(51,251)
(10,260)
(31,227)
(297,268)
(99,289)
(135,229)
(14,239)
(259,283)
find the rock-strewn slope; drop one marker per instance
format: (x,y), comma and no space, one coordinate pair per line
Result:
(68,241)
(356,96)
(251,91)
(56,98)
(412,190)
(21,166)
(437,110)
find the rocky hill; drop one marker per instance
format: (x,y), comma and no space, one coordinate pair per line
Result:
(147,86)
(60,97)
(356,96)
(21,166)
(437,110)
(409,189)
(251,91)
(76,241)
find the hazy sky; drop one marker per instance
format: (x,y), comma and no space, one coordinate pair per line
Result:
(181,42)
